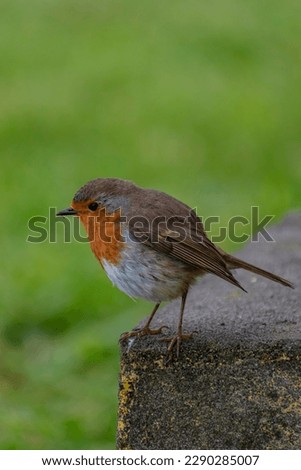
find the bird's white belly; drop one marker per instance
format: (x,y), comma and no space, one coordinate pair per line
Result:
(154,277)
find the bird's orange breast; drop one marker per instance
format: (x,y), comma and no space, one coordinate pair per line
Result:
(104,233)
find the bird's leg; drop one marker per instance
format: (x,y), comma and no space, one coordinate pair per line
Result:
(175,341)
(146,329)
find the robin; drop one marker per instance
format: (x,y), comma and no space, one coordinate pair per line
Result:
(151,245)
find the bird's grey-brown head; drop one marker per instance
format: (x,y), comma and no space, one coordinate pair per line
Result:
(110,193)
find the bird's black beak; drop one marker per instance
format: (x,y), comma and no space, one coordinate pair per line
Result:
(68,211)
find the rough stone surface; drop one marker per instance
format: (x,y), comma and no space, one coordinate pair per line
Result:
(237,384)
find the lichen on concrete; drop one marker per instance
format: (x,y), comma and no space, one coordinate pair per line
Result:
(237,383)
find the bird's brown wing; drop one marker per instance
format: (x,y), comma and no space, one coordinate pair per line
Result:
(197,253)
(184,239)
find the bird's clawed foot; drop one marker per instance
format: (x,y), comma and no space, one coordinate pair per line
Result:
(142,332)
(174,345)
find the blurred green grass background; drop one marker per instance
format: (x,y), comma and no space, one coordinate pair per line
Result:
(199,99)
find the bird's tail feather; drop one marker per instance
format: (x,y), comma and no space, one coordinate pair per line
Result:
(235,263)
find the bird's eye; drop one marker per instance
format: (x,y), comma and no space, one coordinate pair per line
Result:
(93,206)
